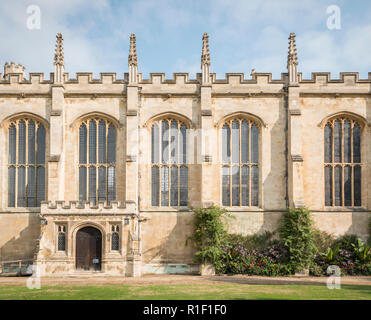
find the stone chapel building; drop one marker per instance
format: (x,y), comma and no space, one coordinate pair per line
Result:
(105,172)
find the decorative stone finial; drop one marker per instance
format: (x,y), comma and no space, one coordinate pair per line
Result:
(59,54)
(133,59)
(205,59)
(59,60)
(292,60)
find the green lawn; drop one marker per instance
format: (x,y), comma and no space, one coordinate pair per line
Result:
(183,291)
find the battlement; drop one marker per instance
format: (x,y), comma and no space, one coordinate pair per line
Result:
(16,74)
(88,208)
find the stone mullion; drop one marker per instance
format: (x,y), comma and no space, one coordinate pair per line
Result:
(342,162)
(16,163)
(250,167)
(160,159)
(333,163)
(87,160)
(351,160)
(179,161)
(26,121)
(169,161)
(240,160)
(106,161)
(96,159)
(37,125)
(230,163)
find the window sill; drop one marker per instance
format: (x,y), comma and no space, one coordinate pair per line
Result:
(241,209)
(21,210)
(166,209)
(344,209)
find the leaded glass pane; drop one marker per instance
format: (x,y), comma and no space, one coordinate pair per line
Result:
(328,186)
(328,144)
(183,186)
(347,141)
(337,141)
(111,184)
(92,184)
(115,241)
(347,185)
(226,198)
(21,187)
(244,142)
(235,143)
(235,186)
(155,143)
(155,186)
(245,186)
(254,144)
(165,141)
(101,183)
(92,142)
(12,144)
(174,186)
(41,144)
(83,144)
(111,140)
(357,186)
(174,142)
(82,184)
(165,186)
(102,142)
(183,144)
(40,194)
(254,186)
(11,187)
(338,183)
(22,142)
(61,242)
(31,190)
(356,144)
(31,142)
(226,144)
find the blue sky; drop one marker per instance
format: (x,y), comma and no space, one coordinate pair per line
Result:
(243,35)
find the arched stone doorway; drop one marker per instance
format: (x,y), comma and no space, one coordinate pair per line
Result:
(88,249)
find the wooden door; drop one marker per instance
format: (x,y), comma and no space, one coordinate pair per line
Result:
(88,249)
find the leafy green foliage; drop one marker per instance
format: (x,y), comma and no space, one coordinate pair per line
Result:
(345,242)
(297,235)
(300,246)
(361,251)
(209,235)
(322,240)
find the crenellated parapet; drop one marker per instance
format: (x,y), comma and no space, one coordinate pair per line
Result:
(87,208)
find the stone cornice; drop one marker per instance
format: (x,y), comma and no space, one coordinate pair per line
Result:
(87,208)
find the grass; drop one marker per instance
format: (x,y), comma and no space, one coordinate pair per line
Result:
(184,292)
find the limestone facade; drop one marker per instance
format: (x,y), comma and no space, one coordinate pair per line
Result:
(291,113)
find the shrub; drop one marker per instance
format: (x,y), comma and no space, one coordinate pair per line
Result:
(345,242)
(209,236)
(296,234)
(322,240)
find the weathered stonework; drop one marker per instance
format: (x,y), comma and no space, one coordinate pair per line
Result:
(291,113)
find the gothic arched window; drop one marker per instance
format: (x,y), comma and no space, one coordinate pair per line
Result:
(97,160)
(61,238)
(240,163)
(115,238)
(26,163)
(169,165)
(342,162)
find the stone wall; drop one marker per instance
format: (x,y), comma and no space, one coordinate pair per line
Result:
(290,119)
